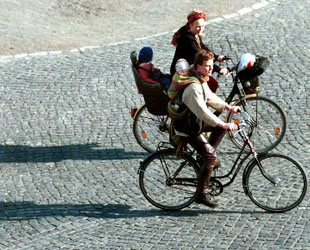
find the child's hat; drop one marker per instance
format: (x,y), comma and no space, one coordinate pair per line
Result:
(181,64)
(145,54)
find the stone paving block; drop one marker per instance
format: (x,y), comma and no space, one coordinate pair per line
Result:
(69,158)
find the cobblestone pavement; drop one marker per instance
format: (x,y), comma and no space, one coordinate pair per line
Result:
(46,25)
(69,160)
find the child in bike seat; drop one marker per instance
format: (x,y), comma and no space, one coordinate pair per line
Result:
(149,73)
(180,79)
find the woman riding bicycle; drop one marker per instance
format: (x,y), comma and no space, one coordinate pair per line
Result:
(198,97)
(188,41)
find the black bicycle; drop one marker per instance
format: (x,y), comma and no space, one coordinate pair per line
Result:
(274,182)
(268,117)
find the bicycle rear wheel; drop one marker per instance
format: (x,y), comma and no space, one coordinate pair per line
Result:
(150,129)
(169,182)
(270,123)
(282,187)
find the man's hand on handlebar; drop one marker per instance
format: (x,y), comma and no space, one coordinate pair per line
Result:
(234,109)
(228,126)
(224,71)
(220,58)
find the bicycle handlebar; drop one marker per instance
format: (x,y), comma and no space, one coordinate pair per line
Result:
(227,58)
(247,122)
(230,69)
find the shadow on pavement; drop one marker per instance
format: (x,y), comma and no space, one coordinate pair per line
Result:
(44,154)
(16,211)
(23,153)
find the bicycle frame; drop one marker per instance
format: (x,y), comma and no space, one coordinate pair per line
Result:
(176,181)
(233,172)
(238,163)
(180,175)
(231,175)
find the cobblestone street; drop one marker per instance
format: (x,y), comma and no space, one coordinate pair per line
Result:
(69,160)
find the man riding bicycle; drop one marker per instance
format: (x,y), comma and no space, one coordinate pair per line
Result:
(197,98)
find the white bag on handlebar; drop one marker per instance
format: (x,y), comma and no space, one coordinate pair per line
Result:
(246,61)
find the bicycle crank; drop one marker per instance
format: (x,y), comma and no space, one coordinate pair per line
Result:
(215,187)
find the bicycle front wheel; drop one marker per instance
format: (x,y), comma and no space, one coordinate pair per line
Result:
(169,182)
(149,130)
(275,183)
(270,123)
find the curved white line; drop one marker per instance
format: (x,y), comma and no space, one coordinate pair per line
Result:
(240,12)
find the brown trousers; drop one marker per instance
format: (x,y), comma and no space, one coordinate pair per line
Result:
(207,150)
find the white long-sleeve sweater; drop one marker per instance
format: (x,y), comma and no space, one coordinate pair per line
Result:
(198,98)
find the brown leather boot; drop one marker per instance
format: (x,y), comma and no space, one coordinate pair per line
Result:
(214,140)
(205,199)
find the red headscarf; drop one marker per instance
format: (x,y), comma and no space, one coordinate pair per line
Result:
(193,16)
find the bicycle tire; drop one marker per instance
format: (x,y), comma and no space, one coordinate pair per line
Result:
(149,130)
(270,123)
(161,188)
(286,187)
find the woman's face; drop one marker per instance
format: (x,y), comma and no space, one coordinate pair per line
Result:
(197,26)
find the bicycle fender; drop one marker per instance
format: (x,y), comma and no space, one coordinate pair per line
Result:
(141,163)
(151,156)
(246,169)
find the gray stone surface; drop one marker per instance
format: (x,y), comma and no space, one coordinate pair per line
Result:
(47,25)
(69,161)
